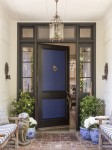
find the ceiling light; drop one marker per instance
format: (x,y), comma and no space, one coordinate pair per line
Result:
(56,27)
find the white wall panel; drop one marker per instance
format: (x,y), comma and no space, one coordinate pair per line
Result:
(13,57)
(107,29)
(4,57)
(99,59)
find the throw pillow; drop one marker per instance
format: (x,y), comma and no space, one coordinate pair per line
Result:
(110,119)
(3,117)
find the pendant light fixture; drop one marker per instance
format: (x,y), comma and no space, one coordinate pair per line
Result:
(56,27)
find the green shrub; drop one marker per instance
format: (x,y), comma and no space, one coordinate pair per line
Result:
(25,103)
(90,106)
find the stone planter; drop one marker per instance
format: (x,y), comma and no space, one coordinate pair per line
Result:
(31,133)
(85,133)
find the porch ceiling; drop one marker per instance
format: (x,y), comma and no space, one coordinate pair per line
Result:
(43,10)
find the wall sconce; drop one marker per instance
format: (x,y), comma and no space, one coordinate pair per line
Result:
(104,77)
(6,71)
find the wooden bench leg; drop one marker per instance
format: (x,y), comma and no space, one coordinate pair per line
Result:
(16,139)
(100,140)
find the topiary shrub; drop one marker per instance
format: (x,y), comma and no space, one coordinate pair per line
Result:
(90,106)
(25,103)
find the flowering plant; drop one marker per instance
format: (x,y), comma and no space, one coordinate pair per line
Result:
(25,103)
(91,123)
(32,122)
(90,106)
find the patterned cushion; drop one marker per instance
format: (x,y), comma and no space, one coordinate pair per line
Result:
(3,117)
(7,130)
(107,128)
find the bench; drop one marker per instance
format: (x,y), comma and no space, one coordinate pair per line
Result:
(8,130)
(105,133)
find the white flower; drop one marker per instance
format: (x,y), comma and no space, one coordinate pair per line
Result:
(90,121)
(86,123)
(32,122)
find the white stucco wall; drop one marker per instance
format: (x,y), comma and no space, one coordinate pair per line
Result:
(99,60)
(13,85)
(107,44)
(8,53)
(4,57)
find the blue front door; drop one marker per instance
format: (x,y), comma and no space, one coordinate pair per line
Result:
(53,85)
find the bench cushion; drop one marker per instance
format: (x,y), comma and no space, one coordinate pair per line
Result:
(7,130)
(107,129)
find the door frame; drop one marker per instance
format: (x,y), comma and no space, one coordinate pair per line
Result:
(80,95)
(35,41)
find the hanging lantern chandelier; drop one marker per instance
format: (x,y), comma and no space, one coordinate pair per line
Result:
(56,27)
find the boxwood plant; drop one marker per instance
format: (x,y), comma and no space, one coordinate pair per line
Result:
(90,106)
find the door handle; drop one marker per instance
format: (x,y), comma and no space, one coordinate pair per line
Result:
(68,97)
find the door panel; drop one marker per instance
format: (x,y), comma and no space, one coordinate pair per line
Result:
(53,85)
(49,108)
(53,72)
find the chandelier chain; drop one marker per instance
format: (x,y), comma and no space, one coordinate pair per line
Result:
(56,6)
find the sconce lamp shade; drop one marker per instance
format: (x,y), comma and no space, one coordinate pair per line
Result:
(6,71)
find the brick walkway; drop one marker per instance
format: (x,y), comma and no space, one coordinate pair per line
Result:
(59,139)
(63,140)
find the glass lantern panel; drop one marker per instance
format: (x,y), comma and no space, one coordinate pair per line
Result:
(56,31)
(28,84)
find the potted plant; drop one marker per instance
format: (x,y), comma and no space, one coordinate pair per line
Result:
(89,106)
(25,103)
(31,130)
(92,125)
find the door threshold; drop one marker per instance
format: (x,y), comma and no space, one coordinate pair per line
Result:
(54,127)
(57,129)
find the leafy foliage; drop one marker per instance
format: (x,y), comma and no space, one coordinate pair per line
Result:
(25,103)
(90,106)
